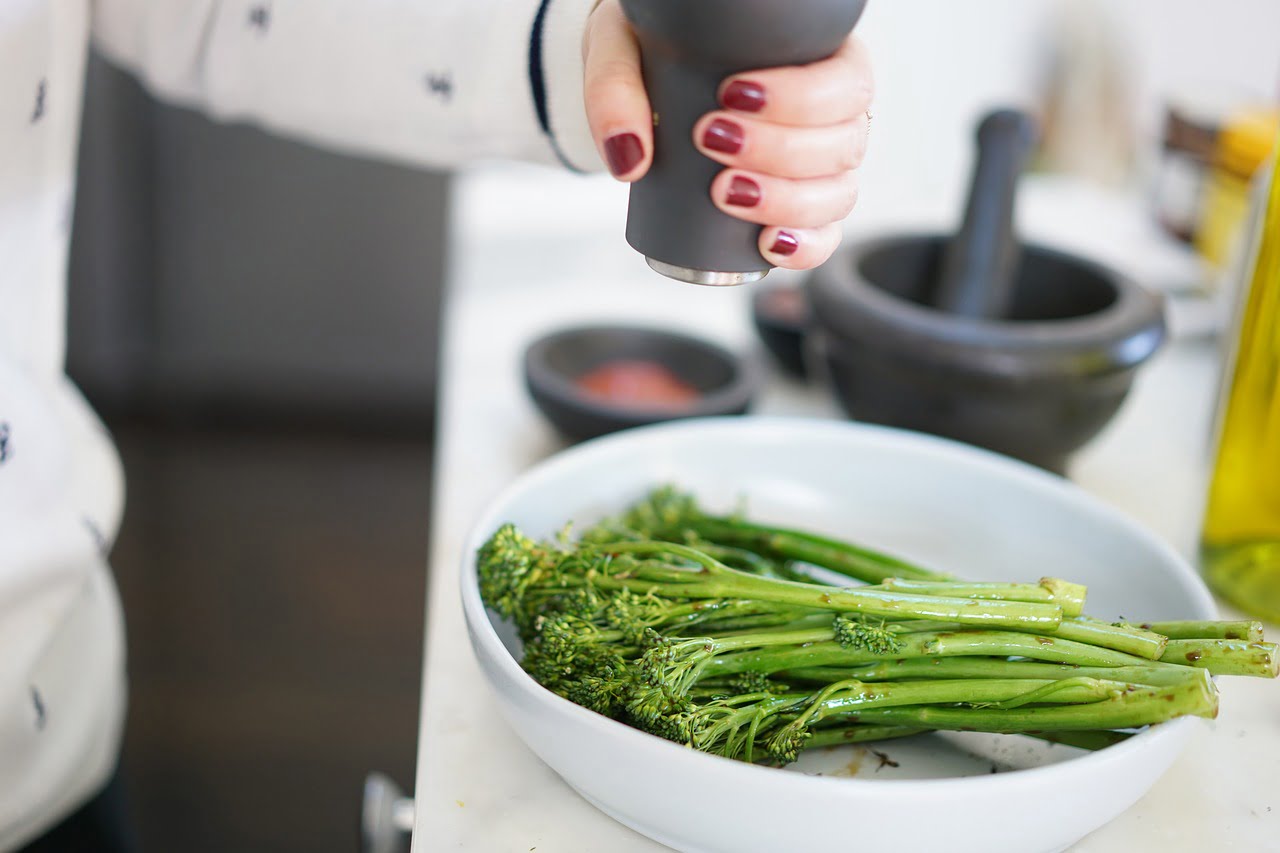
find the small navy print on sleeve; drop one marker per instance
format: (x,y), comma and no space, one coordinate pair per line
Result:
(440,85)
(37,702)
(6,453)
(95,533)
(260,17)
(37,112)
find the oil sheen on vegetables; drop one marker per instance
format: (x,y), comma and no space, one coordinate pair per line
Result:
(1241,539)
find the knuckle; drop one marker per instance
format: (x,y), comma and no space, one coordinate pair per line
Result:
(611,75)
(864,95)
(857,149)
(844,196)
(845,146)
(850,193)
(786,148)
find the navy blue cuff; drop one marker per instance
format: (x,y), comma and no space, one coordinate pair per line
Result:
(538,83)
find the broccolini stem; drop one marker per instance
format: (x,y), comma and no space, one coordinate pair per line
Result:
(924,645)
(857,733)
(1089,739)
(814,619)
(1068,596)
(1123,638)
(862,732)
(1248,631)
(1139,707)
(842,697)
(782,544)
(1225,657)
(738,558)
(1147,674)
(714,579)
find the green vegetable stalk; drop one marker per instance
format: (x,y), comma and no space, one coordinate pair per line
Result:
(719,633)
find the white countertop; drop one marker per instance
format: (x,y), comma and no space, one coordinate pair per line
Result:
(479,789)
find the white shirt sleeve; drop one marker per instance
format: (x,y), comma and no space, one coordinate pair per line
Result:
(430,82)
(62,672)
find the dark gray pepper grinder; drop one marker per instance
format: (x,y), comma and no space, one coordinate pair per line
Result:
(688,48)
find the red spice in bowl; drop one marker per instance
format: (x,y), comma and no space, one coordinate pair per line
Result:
(638,384)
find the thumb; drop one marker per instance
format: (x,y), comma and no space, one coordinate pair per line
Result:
(618,109)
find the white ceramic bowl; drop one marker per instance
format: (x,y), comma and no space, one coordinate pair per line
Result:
(942,504)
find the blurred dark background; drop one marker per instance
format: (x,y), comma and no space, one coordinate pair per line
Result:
(257,322)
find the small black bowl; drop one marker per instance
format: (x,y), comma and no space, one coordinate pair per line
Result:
(725,383)
(781,316)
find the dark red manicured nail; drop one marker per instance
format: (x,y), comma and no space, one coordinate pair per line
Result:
(623,151)
(743,95)
(785,245)
(743,192)
(724,136)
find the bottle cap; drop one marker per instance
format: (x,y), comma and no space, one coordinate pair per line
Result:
(1246,141)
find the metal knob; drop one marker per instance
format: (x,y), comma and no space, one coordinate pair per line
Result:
(386,816)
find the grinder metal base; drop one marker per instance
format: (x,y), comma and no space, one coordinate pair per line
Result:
(710,278)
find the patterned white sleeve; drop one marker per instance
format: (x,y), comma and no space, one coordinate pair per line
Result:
(62,671)
(429,82)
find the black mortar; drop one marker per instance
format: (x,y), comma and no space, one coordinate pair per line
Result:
(1036,384)
(1018,348)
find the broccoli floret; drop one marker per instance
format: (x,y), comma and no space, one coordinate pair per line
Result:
(855,633)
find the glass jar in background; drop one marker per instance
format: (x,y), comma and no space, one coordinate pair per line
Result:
(1192,121)
(1240,543)
(1241,149)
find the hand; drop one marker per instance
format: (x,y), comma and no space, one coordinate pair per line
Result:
(790,138)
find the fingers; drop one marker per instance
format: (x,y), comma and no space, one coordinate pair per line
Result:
(768,200)
(832,91)
(618,109)
(799,248)
(787,152)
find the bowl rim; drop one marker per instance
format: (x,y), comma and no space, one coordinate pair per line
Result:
(1170,735)
(733,396)
(1119,337)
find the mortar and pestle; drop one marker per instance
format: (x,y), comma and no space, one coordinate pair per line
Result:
(1018,348)
(687,50)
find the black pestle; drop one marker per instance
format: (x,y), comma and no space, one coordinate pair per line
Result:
(688,49)
(980,267)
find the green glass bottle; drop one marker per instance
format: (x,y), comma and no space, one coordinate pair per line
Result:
(1240,547)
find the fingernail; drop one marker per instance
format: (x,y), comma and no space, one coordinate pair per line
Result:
(724,136)
(623,152)
(743,95)
(785,245)
(743,192)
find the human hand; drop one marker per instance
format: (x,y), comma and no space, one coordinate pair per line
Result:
(791,139)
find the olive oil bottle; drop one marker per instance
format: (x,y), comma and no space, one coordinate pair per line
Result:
(1240,552)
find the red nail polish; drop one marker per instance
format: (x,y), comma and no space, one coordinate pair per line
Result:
(743,192)
(743,95)
(623,152)
(785,245)
(724,136)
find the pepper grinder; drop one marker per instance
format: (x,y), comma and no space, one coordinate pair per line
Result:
(688,49)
